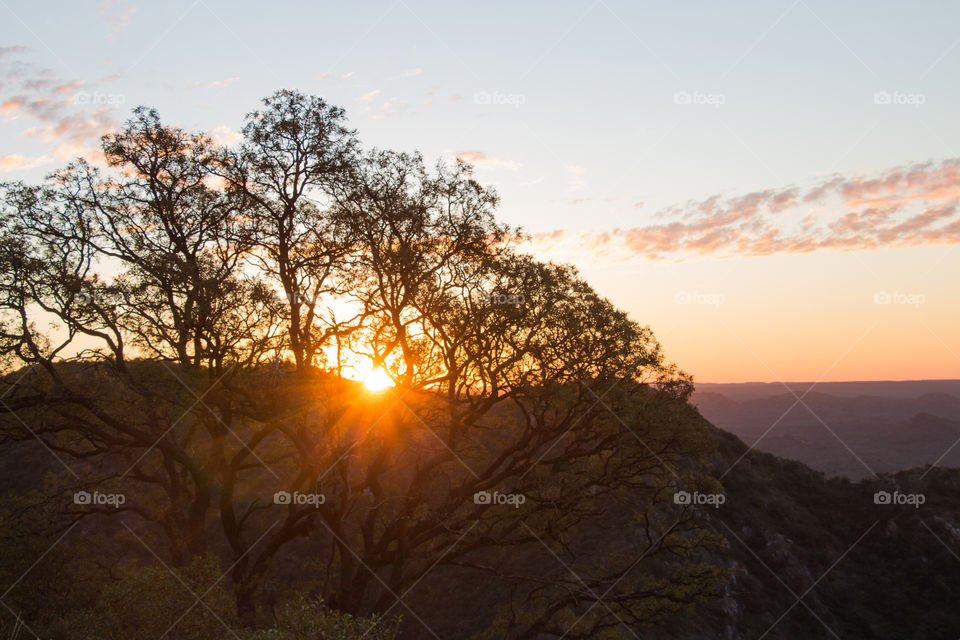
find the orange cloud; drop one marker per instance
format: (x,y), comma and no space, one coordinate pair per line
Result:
(902,207)
(59,111)
(17,162)
(223,135)
(480,159)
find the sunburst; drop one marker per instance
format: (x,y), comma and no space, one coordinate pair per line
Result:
(377,380)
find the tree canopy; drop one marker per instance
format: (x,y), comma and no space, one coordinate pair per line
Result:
(185,325)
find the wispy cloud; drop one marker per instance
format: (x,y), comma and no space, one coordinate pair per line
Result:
(224,135)
(65,112)
(214,84)
(389,107)
(117,13)
(369,97)
(331,75)
(576,179)
(409,73)
(908,206)
(435,94)
(7,52)
(480,159)
(17,162)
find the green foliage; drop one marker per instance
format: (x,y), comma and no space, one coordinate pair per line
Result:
(303,618)
(193,603)
(154,602)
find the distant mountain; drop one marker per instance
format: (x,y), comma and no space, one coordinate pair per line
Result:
(885,388)
(925,427)
(835,428)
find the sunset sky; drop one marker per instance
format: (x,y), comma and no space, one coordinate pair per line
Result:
(773,191)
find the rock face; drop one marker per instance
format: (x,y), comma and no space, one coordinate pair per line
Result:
(824,558)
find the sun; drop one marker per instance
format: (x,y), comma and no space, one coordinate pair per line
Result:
(360,368)
(377,380)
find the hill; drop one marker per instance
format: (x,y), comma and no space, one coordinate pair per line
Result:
(806,556)
(853,429)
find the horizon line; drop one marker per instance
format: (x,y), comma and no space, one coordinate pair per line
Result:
(781,382)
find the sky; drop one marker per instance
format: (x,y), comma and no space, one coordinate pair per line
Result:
(771,186)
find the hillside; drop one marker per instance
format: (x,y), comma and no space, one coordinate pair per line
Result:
(863,570)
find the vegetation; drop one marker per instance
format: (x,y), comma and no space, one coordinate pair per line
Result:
(181,327)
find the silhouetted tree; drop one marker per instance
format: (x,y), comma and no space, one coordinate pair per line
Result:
(294,152)
(513,376)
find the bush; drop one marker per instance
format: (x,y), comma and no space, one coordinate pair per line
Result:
(155,602)
(304,618)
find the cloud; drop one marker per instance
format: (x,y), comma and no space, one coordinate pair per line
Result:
(908,206)
(578,201)
(379,109)
(577,182)
(17,162)
(369,97)
(224,135)
(480,159)
(117,13)
(433,96)
(12,51)
(409,73)
(336,76)
(59,118)
(389,107)
(61,111)
(214,84)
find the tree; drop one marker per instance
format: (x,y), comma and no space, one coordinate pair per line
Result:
(294,152)
(514,380)
(415,235)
